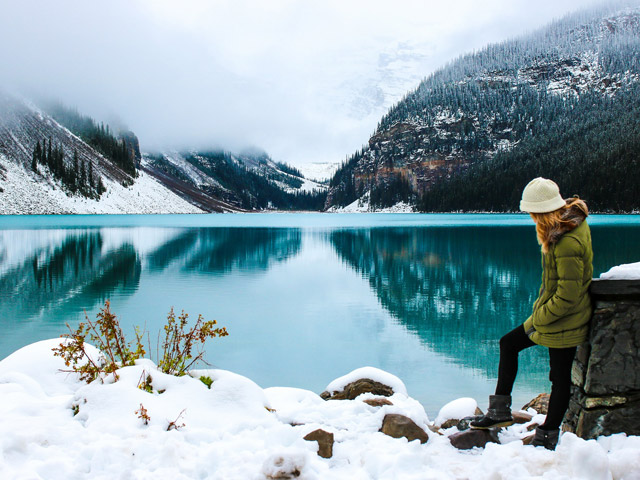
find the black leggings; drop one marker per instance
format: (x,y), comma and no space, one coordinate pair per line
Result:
(560,360)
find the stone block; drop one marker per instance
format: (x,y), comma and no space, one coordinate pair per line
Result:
(600,402)
(614,362)
(605,421)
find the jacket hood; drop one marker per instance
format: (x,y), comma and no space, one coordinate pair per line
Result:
(571,218)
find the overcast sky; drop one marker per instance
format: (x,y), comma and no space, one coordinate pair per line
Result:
(304,80)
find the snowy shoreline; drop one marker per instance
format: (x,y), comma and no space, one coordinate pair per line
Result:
(56,427)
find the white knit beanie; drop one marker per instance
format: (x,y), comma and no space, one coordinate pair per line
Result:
(541,195)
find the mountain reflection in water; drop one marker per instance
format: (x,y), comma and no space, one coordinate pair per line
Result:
(459,290)
(305,304)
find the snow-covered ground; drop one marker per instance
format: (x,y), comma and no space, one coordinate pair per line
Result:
(24,195)
(55,427)
(318,170)
(307,185)
(361,205)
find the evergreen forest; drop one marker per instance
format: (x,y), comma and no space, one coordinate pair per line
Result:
(99,136)
(76,175)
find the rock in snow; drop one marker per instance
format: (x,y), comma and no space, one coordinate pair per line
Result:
(55,427)
(540,404)
(325,442)
(398,426)
(382,378)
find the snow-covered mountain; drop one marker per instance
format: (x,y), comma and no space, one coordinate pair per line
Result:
(508,100)
(319,171)
(249,180)
(35,189)
(54,160)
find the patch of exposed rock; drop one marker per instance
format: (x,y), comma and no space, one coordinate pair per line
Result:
(325,442)
(354,389)
(398,426)
(377,402)
(540,404)
(473,438)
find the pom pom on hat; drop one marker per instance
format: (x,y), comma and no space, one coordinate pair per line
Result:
(541,195)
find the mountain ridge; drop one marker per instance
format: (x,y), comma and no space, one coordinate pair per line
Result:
(55,160)
(487,103)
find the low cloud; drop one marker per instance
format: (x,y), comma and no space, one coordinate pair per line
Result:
(306,81)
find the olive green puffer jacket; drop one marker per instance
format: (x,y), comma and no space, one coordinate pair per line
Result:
(561,314)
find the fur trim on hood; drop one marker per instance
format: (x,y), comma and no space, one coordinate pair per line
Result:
(572,217)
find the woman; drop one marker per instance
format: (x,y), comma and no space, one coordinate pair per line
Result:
(561,314)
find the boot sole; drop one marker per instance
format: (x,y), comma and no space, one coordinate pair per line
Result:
(496,425)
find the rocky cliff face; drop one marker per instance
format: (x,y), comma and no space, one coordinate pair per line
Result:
(489,102)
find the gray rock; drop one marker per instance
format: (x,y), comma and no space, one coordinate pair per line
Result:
(360,386)
(473,438)
(325,442)
(398,426)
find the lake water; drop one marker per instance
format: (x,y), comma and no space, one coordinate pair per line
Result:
(306,297)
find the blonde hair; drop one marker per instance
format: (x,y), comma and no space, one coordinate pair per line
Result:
(552,224)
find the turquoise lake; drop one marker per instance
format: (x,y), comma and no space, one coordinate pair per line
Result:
(306,298)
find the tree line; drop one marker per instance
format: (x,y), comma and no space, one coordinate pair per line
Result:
(248,189)
(99,136)
(593,151)
(76,175)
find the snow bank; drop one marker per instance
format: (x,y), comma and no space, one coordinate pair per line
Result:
(55,427)
(627,271)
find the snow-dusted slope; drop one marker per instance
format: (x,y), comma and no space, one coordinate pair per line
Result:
(319,171)
(24,191)
(250,180)
(23,194)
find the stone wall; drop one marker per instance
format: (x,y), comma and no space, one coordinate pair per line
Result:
(605,397)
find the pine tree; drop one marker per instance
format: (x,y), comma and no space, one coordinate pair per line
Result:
(49,155)
(83,175)
(34,161)
(75,170)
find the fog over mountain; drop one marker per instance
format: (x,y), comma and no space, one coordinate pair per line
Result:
(305,82)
